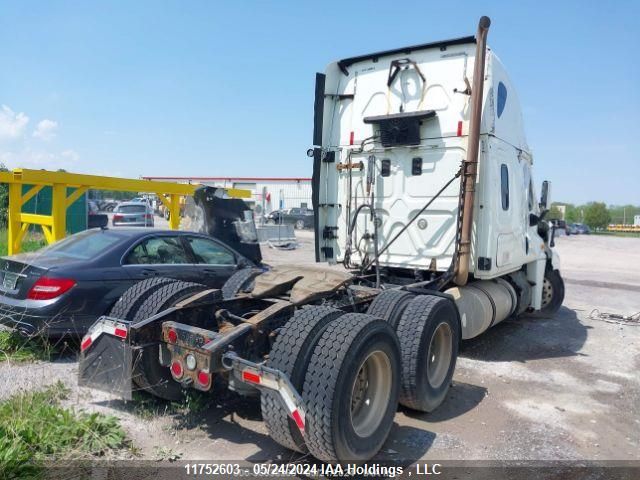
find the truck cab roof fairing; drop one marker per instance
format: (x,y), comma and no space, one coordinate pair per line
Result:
(443,44)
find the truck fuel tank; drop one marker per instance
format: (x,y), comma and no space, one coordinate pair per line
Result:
(483,304)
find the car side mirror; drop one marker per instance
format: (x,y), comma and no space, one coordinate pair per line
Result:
(545,196)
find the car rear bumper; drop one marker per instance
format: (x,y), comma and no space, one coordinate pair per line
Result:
(42,317)
(132,224)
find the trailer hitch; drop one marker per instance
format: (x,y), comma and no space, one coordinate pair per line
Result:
(260,376)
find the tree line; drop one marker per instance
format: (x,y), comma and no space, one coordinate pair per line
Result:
(596,215)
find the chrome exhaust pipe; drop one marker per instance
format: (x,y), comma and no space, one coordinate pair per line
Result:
(470,165)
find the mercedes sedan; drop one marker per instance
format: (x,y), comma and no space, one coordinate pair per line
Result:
(63,288)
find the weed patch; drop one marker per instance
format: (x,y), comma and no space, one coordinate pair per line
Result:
(34,428)
(18,348)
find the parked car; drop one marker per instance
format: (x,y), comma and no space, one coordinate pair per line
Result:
(572,229)
(132,214)
(63,288)
(581,228)
(298,217)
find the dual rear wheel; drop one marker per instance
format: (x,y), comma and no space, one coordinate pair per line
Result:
(352,369)
(347,369)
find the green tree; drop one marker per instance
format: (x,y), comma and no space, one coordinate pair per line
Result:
(596,215)
(573,214)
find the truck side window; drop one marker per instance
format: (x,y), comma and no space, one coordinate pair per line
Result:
(504,190)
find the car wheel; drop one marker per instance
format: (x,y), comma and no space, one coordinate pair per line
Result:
(299,225)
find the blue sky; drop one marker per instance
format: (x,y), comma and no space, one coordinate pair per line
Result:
(209,88)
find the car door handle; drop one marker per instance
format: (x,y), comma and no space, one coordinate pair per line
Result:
(148,272)
(210,271)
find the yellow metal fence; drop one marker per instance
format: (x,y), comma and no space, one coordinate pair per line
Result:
(54,225)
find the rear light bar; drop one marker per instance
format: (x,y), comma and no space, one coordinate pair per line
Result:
(117,217)
(47,288)
(103,326)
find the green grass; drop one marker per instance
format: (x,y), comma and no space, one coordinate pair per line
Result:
(32,241)
(17,348)
(34,428)
(147,406)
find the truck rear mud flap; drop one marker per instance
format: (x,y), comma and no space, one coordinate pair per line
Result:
(106,358)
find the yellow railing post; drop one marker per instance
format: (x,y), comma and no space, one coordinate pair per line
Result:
(13,220)
(59,211)
(174,211)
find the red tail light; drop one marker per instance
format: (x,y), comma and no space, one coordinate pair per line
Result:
(176,369)
(149,216)
(46,288)
(351,138)
(172,336)
(204,378)
(117,218)
(459,131)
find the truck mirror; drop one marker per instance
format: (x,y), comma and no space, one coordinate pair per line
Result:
(545,196)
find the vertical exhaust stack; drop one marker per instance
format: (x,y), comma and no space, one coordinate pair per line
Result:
(470,165)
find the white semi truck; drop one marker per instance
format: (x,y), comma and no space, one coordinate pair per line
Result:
(422,189)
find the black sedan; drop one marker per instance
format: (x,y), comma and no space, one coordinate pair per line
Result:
(63,288)
(298,217)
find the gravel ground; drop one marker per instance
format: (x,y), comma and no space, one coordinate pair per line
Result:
(565,387)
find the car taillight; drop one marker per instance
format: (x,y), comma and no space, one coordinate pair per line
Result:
(149,216)
(117,218)
(46,288)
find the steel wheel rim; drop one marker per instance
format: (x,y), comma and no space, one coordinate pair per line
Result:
(370,393)
(439,355)
(299,224)
(547,292)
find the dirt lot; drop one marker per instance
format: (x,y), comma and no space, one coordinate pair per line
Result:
(555,388)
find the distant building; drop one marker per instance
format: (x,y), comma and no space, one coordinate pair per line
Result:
(636,220)
(267,193)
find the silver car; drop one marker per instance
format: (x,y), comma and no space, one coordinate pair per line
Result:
(132,214)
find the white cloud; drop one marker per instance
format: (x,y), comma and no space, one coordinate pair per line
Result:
(46,129)
(12,124)
(40,159)
(20,150)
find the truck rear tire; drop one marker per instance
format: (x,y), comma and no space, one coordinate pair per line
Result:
(428,332)
(351,389)
(134,296)
(241,281)
(552,292)
(389,305)
(147,373)
(291,354)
